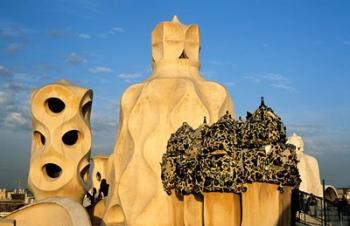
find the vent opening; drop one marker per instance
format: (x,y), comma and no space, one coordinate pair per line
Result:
(39,138)
(85,173)
(52,170)
(70,137)
(55,105)
(183,55)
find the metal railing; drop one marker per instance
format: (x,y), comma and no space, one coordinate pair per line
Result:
(313,210)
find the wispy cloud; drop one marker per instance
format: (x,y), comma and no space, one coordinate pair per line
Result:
(78,8)
(14,96)
(4,98)
(64,33)
(14,36)
(130,77)
(220,63)
(306,129)
(100,70)
(116,30)
(322,139)
(112,31)
(14,31)
(83,36)
(272,79)
(59,33)
(5,72)
(100,121)
(75,59)
(13,47)
(16,119)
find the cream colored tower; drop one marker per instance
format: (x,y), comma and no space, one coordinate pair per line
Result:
(150,112)
(61,145)
(308,168)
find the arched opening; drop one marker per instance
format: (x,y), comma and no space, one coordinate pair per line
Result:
(330,194)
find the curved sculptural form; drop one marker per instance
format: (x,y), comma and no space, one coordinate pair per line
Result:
(55,211)
(150,112)
(308,168)
(61,144)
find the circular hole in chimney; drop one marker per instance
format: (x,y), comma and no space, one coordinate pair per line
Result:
(39,138)
(86,110)
(55,105)
(70,137)
(52,170)
(84,174)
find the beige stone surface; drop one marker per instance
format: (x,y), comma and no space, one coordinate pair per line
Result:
(99,172)
(261,205)
(61,144)
(176,208)
(285,207)
(222,209)
(52,212)
(150,112)
(193,211)
(308,168)
(7,222)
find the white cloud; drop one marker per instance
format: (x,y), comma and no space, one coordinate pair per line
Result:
(116,30)
(14,31)
(15,120)
(5,72)
(273,79)
(13,47)
(4,98)
(221,63)
(62,33)
(83,36)
(75,59)
(130,77)
(14,105)
(321,138)
(100,121)
(285,87)
(112,31)
(100,70)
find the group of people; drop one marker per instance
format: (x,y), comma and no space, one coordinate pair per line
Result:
(93,196)
(342,206)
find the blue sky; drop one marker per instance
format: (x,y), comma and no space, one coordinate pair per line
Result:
(294,53)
